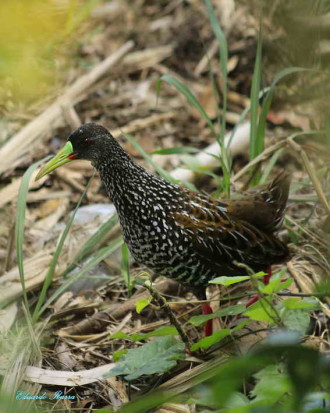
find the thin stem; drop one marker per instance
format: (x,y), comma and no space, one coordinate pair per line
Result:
(162,303)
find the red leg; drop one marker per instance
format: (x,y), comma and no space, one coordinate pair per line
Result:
(208,329)
(268,276)
(266,279)
(252,300)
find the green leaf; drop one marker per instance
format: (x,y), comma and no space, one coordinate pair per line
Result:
(272,385)
(276,283)
(174,150)
(19,227)
(293,237)
(120,335)
(237,400)
(93,242)
(294,303)
(125,268)
(190,97)
(94,260)
(298,320)
(261,311)
(40,306)
(221,312)
(207,342)
(143,303)
(233,280)
(255,91)
(148,158)
(117,355)
(157,356)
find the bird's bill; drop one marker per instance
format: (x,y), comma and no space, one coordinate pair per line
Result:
(64,156)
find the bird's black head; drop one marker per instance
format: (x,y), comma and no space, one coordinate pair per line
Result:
(91,142)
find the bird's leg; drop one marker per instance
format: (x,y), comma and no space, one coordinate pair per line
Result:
(208,329)
(266,279)
(267,276)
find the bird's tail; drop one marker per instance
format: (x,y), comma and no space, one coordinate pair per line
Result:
(278,189)
(277,194)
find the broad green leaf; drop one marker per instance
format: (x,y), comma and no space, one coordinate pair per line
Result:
(298,320)
(143,303)
(261,311)
(221,312)
(156,356)
(236,279)
(272,384)
(294,303)
(275,285)
(207,342)
(237,400)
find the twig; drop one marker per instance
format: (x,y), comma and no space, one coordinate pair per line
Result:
(265,154)
(302,294)
(311,172)
(162,303)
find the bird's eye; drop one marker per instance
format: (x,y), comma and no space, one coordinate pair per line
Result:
(88,142)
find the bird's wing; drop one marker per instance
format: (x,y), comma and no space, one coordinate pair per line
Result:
(219,237)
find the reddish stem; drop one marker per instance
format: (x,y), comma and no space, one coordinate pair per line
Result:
(266,279)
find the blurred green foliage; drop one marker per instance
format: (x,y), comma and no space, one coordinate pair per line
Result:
(31,33)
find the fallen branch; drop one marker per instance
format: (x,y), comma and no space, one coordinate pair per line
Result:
(101,320)
(66,378)
(19,144)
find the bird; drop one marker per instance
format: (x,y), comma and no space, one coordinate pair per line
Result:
(178,233)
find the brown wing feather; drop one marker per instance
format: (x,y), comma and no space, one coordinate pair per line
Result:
(221,239)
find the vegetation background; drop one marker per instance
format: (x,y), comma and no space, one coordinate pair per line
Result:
(174,80)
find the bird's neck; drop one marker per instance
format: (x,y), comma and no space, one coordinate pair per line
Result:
(130,187)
